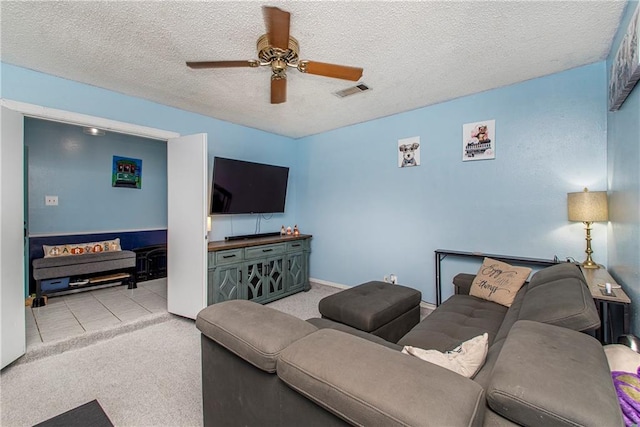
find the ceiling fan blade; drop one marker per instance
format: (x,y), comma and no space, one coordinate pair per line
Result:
(278,90)
(331,70)
(222,64)
(277,22)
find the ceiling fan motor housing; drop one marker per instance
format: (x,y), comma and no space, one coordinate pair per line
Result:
(268,53)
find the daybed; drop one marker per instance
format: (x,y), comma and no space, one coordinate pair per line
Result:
(86,265)
(263,367)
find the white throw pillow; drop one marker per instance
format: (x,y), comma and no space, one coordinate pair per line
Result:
(466,359)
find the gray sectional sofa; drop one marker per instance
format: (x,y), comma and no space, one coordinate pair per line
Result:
(264,367)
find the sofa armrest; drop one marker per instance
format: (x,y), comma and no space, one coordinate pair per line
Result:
(252,331)
(368,384)
(462,283)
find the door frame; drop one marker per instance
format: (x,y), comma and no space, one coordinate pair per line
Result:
(78,119)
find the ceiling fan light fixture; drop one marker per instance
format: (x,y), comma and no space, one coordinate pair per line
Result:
(278,66)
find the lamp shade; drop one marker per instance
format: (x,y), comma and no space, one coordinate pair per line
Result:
(588,206)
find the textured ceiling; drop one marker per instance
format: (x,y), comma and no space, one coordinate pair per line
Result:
(414,54)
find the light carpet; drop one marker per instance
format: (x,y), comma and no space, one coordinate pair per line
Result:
(145,377)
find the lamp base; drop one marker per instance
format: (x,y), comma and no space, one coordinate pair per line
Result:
(590,264)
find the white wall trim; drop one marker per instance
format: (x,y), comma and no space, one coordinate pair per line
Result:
(81,233)
(427,305)
(78,119)
(423,304)
(327,283)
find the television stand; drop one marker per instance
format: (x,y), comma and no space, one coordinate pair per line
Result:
(260,270)
(252,236)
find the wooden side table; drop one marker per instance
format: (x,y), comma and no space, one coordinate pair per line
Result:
(596,278)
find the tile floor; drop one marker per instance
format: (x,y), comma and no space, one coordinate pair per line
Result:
(69,315)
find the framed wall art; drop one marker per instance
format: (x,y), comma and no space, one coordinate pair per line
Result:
(625,69)
(126,172)
(479,140)
(409,152)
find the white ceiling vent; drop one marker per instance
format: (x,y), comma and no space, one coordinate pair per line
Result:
(352,90)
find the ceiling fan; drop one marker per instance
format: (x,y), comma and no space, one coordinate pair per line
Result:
(279,50)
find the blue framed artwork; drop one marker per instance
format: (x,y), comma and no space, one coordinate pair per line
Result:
(126,172)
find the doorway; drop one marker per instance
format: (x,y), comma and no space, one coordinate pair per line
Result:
(13,112)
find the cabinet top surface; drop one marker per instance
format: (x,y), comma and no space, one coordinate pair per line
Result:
(596,278)
(220,245)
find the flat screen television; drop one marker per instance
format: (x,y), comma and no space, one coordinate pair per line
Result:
(241,187)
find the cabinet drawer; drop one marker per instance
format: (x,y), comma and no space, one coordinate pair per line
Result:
(228,256)
(264,251)
(296,246)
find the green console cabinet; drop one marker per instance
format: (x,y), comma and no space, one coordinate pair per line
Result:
(261,270)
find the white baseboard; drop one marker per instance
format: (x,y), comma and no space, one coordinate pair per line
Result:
(427,305)
(423,304)
(327,283)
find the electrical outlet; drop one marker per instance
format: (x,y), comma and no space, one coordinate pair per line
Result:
(51,200)
(386,279)
(393,279)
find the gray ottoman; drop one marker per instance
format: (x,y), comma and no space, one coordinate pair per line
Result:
(388,311)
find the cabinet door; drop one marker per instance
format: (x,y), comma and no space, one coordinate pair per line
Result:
(265,279)
(275,277)
(256,279)
(296,271)
(226,283)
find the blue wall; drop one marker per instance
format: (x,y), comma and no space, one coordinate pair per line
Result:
(623,155)
(225,139)
(370,218)
(76,167)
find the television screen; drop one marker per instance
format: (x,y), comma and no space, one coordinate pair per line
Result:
(241,187)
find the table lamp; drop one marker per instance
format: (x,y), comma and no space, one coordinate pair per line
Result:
(588,207)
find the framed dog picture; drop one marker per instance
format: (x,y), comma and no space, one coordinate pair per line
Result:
(409,152)
(479,140)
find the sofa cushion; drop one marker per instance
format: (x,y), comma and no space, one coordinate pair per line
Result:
(559,271)
(458,319)
(63,266)
(322,323)
(498,281)
(252,331)
(565,302)
(369,385)
(537,364)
